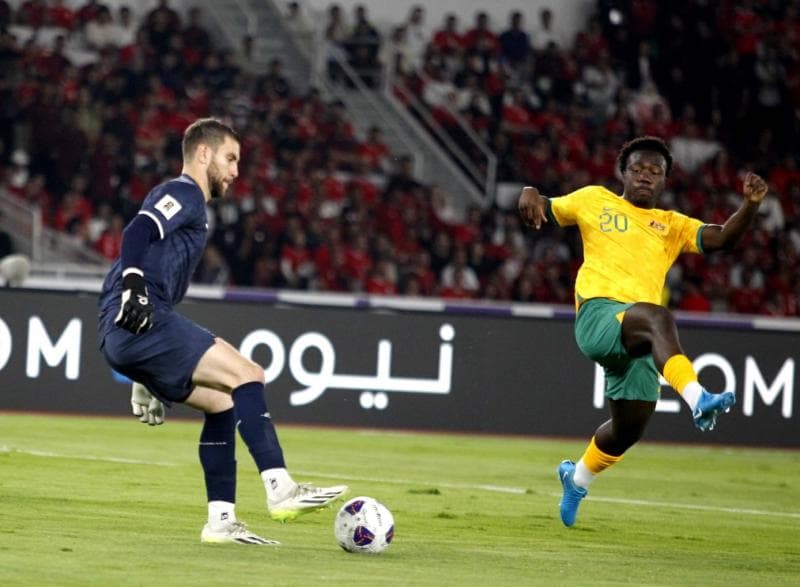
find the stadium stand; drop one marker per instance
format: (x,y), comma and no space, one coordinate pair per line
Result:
(94,101)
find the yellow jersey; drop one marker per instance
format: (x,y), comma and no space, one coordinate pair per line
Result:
(627,250)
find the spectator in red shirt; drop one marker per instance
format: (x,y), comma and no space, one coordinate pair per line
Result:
(382,279)
(643,18)
(332,275)
(358,260)
(373,150)
(53,62)
(195,36)
(420,269)
(517,116)
(747,296)
(747,26)
(61,16)
(481,39)
(75,207)
(296,264)
(361,185)
(784,174)
(470,229)
(693,299)
(110,242)
(448,41)
(87,12)
(32,13)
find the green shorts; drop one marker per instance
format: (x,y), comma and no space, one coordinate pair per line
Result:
(598,331)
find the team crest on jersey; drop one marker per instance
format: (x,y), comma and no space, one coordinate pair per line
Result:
(168,206)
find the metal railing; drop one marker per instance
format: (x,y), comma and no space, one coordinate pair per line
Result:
(490,183)
(387,122)
(58,247)
(304,40)
(227,22)
(485,180)
(249,16)
(23,222)
(467,185)
(68,271)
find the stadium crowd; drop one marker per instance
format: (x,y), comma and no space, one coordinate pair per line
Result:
(92,120)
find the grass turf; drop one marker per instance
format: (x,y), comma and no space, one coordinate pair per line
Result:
(90,501)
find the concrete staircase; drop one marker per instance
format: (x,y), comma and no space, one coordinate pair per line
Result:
(263,21)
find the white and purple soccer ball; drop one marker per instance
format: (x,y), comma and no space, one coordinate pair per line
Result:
(364,524)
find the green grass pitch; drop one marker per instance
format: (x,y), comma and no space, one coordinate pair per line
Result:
(91,501)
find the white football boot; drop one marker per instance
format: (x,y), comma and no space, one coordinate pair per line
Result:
(302,498)
(233,533)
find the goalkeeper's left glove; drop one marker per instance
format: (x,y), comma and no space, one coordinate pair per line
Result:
(149,408)
(135,310)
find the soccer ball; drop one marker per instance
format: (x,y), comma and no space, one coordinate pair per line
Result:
(364,524)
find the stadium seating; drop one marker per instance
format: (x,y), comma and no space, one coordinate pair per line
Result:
(96,102)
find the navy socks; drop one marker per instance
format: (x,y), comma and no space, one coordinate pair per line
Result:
(255,426)
(217,450)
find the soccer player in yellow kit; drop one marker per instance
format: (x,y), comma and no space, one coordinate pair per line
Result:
(629,245)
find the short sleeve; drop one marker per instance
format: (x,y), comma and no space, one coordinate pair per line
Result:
(691,235)
(564,209)
(173,206)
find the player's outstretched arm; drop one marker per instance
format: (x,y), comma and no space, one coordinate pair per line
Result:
(532,207)
(716,237)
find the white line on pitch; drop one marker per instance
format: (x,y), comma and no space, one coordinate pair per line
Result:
(690,506)
(466,486)
(520,490)
(54,455)
(495,488)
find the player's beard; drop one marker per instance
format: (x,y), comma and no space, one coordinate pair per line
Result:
(216,185)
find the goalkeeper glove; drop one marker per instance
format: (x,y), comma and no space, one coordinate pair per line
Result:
(136,310)
(149,409)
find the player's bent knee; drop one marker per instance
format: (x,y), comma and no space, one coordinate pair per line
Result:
(663,318)
(251,372)
(655,316)
(255,373)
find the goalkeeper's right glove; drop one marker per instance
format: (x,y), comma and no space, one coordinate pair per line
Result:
(148,408)
(136,310)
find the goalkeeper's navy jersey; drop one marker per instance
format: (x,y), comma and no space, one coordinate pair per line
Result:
(178,208)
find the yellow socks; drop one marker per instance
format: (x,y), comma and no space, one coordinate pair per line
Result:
(592,462)
(596,460)
(680,374)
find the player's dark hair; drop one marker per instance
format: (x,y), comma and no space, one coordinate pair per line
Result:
(645,143)
(208,131)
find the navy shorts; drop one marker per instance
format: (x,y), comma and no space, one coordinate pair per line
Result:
(164,358)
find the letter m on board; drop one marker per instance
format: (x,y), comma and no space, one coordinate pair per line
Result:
(40,345)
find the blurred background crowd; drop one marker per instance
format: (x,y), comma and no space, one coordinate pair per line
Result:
(93,101)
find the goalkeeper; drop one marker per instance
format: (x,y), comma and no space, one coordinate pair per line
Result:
(175,360)
(629,245)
